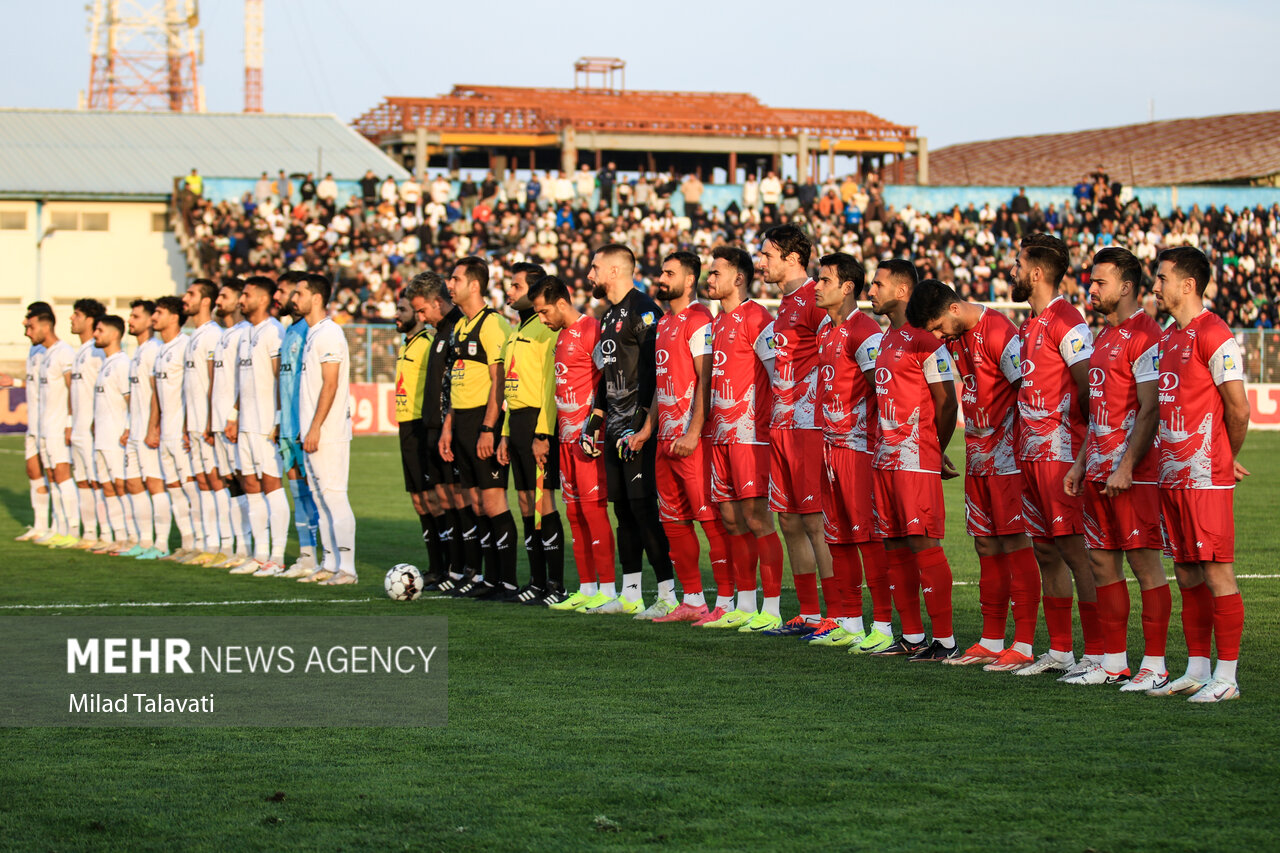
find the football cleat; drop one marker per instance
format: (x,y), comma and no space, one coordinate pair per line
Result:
(1186,685)
(760,623)
(600,598)
(1085,662)
(733,619)
(65,541)
(340,579)
(46,538)
(1010,660)
(1047,663)
(824,626)
(837,636)
(318,576)
(481,590)
(901,647)
(530,594)
(937,652)
(296,571)
(873,642)
(152,553)
(30,535)
(684,613)
(797,627)
(270,569)
(449,584)
(660,607)
(1216,690)
(1095,673)
(713,615)
(132,552)
(248,567)
(86,544)
(977,653)
(611,606)
(1147,681)
(569,602)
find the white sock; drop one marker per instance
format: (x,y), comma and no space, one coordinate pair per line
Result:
(724,602)
(209,515)
(194,515)
(1226,670)
(88,513)
(667,591)
(1198,668)
(913,638)
(115,518)
(1155,664)
(40,506)
(747,600)
(343,521)
(589,589)
(695,599)
(181,516)
(631,586)
(610,589)
(59,513)
(1115,661)
(240,524)
(102,515)
(142,522)
(1022,648)
(991,645)
(162,509)
(70,507)
(222,504)
(885,628)
(947,642)
(772,604)
(130,533)
(1061,655)
(852,624)
(811,618)
(278,518)
(258,523)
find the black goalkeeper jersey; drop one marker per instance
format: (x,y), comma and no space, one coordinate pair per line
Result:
(625,356)
(435,398)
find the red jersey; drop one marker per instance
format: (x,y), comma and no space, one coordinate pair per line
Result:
(1052,427)
(681,338)
(989,361)
(1194,450)
(741,375)
(845,353)
(795,371)
(1122,357)
(910,360)
(576,376)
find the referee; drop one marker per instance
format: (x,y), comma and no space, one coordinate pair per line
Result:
(472,425)
(529,371)
(429,298)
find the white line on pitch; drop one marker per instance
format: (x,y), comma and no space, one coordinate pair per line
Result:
(203,603)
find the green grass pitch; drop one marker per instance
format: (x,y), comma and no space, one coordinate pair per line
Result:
(568,732)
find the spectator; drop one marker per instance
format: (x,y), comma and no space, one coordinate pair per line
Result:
(562,192)
(533,190)
(283,189)
(307,189)
(608,177)
(691,189)
(411,194)
(751,192)
(369,189)
(468,195)
(194,183)
(771,193)
(584,185)
(262,190)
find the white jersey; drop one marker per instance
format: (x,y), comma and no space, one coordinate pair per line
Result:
(84,377)
(325,345)
(170,365)
(141,368)
(111,402)
(257,378)
(195,380)
(34,356)
(226,375)
(54,395)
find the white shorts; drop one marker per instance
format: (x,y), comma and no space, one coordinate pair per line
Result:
(175,463)
(82,468)
(329,468)
(109,463)
(202,458)
(30,446)
(258,455)
(226,454)
(141,462)
(54,452)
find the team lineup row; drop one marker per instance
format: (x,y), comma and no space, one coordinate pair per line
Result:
(1079,453)
(196,431)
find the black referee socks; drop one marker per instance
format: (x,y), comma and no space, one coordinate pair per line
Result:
(504,547)
(553,548)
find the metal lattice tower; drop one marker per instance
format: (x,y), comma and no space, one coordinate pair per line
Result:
(145,56)
(253,56)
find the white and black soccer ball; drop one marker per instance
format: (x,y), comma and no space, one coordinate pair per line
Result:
(403,582)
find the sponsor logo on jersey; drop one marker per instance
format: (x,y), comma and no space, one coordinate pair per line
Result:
(1097,376)
(608,346)
(647,318)
(1028,367)
(661,356)
(883,375)
(1167,381)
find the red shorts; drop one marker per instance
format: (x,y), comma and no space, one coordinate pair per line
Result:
(846,495)
(795,478)
(684,484)
(1199,525)
(909,503)
(1127,522)
(1046,507)
(582,478)
(993,505)
(739,471)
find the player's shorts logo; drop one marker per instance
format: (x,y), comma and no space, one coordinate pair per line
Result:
(719,358)
(1167,381)
(660,358)
(1097,376)
(883,375)
(1028,367)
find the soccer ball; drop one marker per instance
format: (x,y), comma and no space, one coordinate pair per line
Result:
(403,582)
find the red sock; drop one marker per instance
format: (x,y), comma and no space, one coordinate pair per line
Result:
(744,557)
(904,583)
(848,574)
(600,534)
(1113,613)
(771,565)
(718,545)
(1024,593)
(1197,619)
(1091,627)
(1228,625)
(1157,605)
(581,542)
(685,552)
(935,576)
(807,592)
(1057,618)
(876,567)
(993,595)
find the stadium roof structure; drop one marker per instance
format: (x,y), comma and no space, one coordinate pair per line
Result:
(621,125)
(63,154)
(1243,148)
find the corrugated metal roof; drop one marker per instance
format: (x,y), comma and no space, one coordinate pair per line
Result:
(79,154)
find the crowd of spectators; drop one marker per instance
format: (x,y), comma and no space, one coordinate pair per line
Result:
(381,238)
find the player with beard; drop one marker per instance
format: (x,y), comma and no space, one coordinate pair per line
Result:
(31,441)
(987,353)
(54,376)
(916,408)
(84,375)
(1116,471)
(1053,404)
(411,362)
(528,434)
(306,519)
(225,372)
(111,425)
(1204,417)
(197,304)
(626,354)
(143,479)
(167,426)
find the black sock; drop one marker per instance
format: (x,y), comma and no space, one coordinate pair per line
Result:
(431,539)
(533,546)
(652,537)
(504,547)
(451,539)
(473,556)
(553,548)
(491,571)
(630,553)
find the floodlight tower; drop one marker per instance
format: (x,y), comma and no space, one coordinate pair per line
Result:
(144,56)
(253,56)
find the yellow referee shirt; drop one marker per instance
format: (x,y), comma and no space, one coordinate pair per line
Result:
(477,344)
(411,376)
(529,369)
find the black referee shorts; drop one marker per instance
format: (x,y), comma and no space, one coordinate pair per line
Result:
(413,449)
(474,472)
(524,468)
(435,469)
(631,480)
